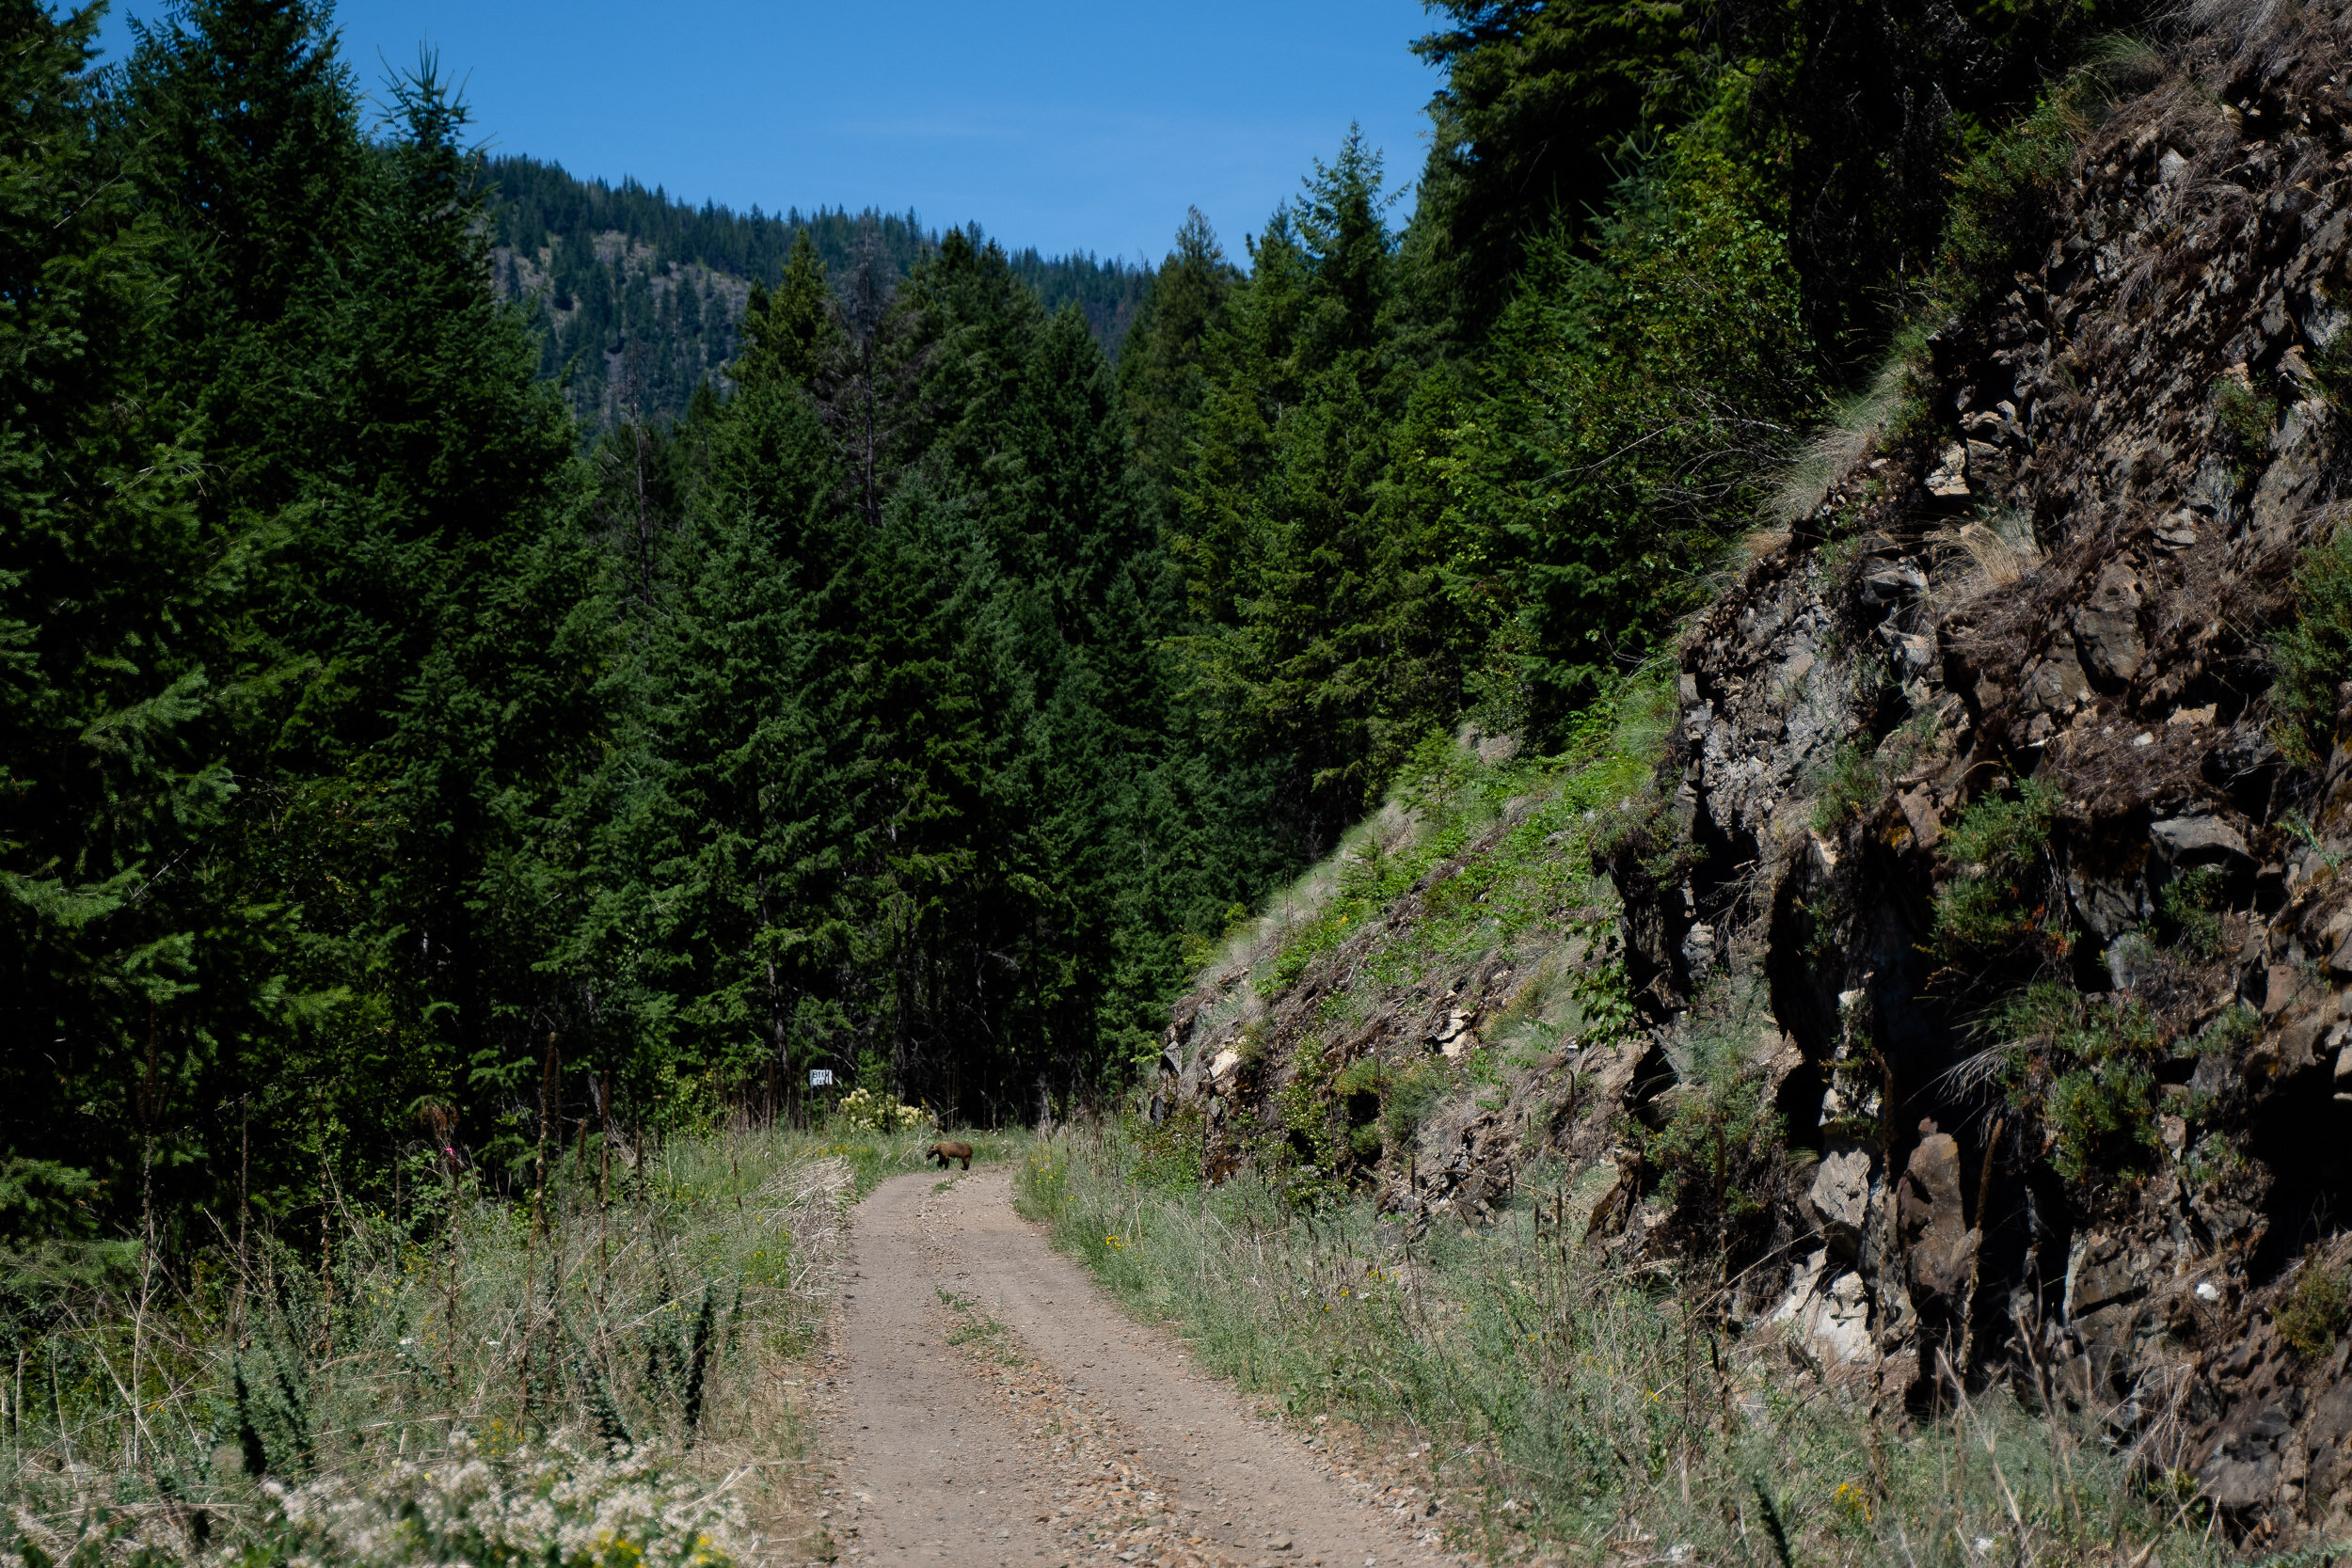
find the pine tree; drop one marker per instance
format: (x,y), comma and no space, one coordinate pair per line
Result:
(136,981)
(1162,382)
(1299,557)
(788,334)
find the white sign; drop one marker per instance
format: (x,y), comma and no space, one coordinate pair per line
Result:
(820,1078)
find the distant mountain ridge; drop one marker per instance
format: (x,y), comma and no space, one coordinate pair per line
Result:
(641,293)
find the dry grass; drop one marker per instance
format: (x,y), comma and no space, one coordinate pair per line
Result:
(173,1411)
(1831,452)
(1569,1407)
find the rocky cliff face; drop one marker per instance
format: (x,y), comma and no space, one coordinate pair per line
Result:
(2062,583)
(1975,790)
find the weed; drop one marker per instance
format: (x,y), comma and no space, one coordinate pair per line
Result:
(2331,371)
(1169,1153)
(1602,990)
(2244,414)
(1303,1109)
(2315,1311)
(1585,1395)
(487,1350)
(1855,781)
(1721,1132)
(1991,906)
(2236,1026)
(2299,826)
(2000,208)
(1862,769)
(2084,1063)
(1993,191)
(972,1326)
(1411,1096)
(1256,1040)
(2190,905)
(2312,654)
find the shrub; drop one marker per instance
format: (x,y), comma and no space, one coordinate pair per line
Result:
(2190,904)
(1303,1110)
(1863,768)
(2100,1114)
(2085,1063)
(1722,1130)
(1999,200)
(1853,782)
(2313,656)
(1412,1094)
(2244,413)
(877,1113)
(1990,907)
(1169,1155)
(2315,1311)
(1602,989)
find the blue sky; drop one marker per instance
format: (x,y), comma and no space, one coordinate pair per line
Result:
(1065,126)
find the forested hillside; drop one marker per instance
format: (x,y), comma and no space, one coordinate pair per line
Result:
(641,296)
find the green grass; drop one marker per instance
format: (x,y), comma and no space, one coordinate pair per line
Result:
(1570,1407)
(1524,829)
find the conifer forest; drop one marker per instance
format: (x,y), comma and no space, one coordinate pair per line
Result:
(379,736)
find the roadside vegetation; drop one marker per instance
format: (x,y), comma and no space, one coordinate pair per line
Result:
(601,1373)
(1570,1407)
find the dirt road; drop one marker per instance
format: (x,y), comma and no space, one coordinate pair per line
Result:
(987,1404)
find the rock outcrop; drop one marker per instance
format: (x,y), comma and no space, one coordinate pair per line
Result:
(2063,573)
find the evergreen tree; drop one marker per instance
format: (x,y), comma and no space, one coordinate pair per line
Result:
(1541,101)
(140,983)
(1299,560)
(788,334)
(1162,382)
(1634,407)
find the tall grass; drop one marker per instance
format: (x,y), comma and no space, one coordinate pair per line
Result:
(1578,1408)
(648,1305)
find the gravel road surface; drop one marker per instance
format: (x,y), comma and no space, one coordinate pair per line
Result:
(986,1403)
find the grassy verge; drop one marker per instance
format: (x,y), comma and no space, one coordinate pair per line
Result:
(1575,1410)
(600,1377)
(1528,820)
